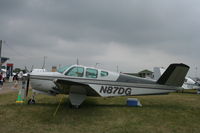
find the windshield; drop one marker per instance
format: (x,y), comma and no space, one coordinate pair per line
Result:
(62,69)
(75,72)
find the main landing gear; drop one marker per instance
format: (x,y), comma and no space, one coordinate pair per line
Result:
(76,96)
(74,106)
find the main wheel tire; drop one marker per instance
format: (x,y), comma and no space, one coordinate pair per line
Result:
(74,106)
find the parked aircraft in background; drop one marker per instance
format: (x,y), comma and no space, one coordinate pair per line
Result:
(189,83)
(80,81)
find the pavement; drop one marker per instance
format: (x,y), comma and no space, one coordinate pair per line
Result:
(10,87)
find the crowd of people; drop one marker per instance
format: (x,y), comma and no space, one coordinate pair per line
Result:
(14,78)
(1,80)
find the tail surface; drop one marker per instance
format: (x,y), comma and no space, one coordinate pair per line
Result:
(157,72)
(174,75)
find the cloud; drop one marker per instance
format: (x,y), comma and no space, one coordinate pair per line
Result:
(131,34)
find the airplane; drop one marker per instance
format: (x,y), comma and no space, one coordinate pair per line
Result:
(79,81)
(189,83)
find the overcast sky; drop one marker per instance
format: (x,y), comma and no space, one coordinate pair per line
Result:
(131,34)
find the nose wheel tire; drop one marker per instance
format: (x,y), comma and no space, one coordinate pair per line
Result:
(31,101)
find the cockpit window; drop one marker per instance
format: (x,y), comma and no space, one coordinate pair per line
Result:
(75,72)
(104,73)
(62,69)
(91,73)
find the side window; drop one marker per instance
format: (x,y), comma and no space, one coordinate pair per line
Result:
(91,73)
(104,74)
(75,72)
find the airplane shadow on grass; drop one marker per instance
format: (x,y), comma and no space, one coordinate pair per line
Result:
(86,104)
(89,104)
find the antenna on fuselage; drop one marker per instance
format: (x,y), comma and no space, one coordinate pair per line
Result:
(32,68)
(44,62)
(196,71)
(1,42)
(96,65)
(77,62)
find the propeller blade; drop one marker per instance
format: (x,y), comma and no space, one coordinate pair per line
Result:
(27,84)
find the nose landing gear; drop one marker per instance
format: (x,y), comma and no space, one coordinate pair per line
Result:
(32,100)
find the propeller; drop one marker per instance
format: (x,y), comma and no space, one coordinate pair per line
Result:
(28,78)
(27,84)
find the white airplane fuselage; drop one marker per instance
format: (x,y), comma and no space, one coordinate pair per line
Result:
(81,81)
(113,84)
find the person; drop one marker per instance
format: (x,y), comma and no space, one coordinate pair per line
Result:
(20,75)
(4,77)
(15,77)
(1,80)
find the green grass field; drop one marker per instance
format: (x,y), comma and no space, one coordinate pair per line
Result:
(173,113)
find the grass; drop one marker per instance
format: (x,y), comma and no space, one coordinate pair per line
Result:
(173,113)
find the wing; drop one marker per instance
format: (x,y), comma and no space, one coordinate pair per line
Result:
(66,86)
(109,88)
